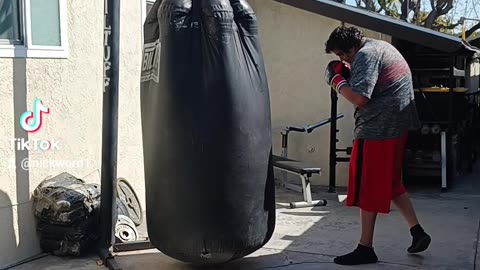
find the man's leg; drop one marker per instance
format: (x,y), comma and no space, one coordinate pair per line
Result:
(404,204)
(421,240)
(364,252)
(368,226)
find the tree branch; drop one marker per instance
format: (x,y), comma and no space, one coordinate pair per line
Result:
(431,18)
(442,26)
(470,31)
(370,5)
(383,6)
(446,9)
(442,8)
(440,4)
(404,8)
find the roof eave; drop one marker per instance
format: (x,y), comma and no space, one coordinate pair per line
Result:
(379,23)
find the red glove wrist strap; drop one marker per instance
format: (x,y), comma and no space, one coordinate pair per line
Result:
(338,81)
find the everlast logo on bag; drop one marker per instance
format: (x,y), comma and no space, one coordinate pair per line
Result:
(151,61)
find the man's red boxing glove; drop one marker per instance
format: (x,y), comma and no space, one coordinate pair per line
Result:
(336,74)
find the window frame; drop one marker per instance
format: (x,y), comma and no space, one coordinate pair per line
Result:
(28,50)
(7,42)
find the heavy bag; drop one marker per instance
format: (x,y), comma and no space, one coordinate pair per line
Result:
(207,136)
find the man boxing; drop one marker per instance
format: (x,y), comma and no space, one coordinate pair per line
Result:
(380,88)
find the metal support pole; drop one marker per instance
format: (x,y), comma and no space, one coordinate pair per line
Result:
(333,141)
(108,214)
(284,176)
(443,146)
(450,131)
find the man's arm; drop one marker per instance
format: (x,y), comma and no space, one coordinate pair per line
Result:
(356,99)
(336,73)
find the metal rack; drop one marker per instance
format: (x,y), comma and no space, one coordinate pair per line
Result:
(439,82)
(334,158)
(308,129)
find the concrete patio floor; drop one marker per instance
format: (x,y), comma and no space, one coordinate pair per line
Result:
(309,238)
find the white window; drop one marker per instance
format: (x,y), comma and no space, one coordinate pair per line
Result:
(33,28)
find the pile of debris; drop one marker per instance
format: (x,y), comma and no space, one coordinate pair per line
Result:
(67,210)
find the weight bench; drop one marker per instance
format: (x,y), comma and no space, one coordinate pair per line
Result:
(304,171)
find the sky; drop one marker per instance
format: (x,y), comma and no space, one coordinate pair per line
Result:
(462,8)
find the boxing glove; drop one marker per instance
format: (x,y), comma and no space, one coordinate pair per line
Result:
(336,74)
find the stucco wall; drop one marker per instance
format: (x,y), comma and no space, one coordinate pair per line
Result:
(293,46)
(73,90)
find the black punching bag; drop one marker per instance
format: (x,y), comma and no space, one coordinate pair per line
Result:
(207,136)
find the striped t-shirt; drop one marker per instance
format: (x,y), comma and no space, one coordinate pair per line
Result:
(380,73)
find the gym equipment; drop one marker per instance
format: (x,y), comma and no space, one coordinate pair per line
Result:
(306,129)
(336,74)
(305,171)
(206,132)
(445,102)
(234,106)
(130,201)
(125,230)
(333,143)
(108,206)
(302,169)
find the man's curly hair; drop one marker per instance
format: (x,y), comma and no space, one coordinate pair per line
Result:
(344,39)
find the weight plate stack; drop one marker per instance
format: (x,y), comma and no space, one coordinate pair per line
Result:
(125,230)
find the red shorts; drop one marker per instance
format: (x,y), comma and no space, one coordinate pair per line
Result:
(376,173)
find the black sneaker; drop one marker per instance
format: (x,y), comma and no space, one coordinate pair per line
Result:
(420,242)
(361,255)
